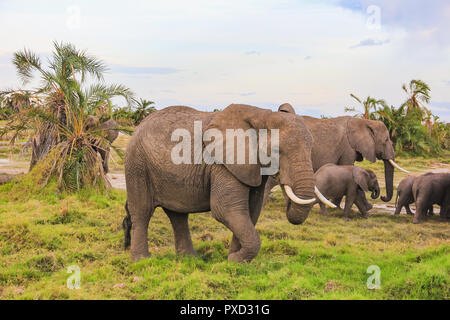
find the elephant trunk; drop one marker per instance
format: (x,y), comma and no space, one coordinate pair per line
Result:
(389,180)
(297,213)
(375,192)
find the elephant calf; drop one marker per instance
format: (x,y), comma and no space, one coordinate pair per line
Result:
(336,181)
(405,196)
(429,189)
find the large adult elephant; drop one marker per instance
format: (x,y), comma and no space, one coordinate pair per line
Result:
(232,192)
(344,140)
(109,130)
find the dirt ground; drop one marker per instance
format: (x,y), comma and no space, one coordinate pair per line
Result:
(12,167)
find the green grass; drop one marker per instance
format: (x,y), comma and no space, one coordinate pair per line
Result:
(42,234)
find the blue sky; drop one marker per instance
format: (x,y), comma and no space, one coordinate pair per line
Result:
(208,53)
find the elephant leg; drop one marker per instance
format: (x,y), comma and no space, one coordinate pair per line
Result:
(360,203)
(444,211)
(141,208)
(257,199)
(183,241)
(337,202)
(349,200)
(104,153)
(421,210)
(399,203)
(271,182)
(323,208)
(430,211)
(408,210)
(230,206)
(361,198)
(244,231)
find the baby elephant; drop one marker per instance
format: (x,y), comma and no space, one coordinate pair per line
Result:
(405,196)
(429,189)
(350,181)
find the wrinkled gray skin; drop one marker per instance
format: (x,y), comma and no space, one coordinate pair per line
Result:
(111,133)
(233,193)
(405,196)
(335,181)
(344,140)
(429,189)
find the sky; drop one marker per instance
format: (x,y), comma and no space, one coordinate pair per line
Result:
(208,54)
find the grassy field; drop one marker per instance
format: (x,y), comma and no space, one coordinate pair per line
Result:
(42,234)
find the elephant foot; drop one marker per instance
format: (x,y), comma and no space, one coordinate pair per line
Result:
(417,221)
(236,257)
(366,216)
(139,256)
(243,255)
(187,253)
(369,207)
(235,246)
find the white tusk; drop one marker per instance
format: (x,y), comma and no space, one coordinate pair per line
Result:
(296,199)
(397,166)
(323,199)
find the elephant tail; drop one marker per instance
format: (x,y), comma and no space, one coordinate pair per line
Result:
(126,225)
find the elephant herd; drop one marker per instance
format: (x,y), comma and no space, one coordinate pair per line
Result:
(316,158)
(425,190)
(315,163)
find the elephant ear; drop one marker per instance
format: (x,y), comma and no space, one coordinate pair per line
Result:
(242,117)
(286,107)
(361,177)
(361,138)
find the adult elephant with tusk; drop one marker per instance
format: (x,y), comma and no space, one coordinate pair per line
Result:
(344,140)
(233,191)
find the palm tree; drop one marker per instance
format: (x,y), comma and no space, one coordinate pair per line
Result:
(71,89)
(418,93)
(142,110)
(406,130)
(368,105)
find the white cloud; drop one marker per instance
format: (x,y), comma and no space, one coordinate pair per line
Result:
(260,47)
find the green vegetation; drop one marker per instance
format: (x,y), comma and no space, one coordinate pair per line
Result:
(413,128)
(56,116)
(60,215)
(133,115)
(44,232)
